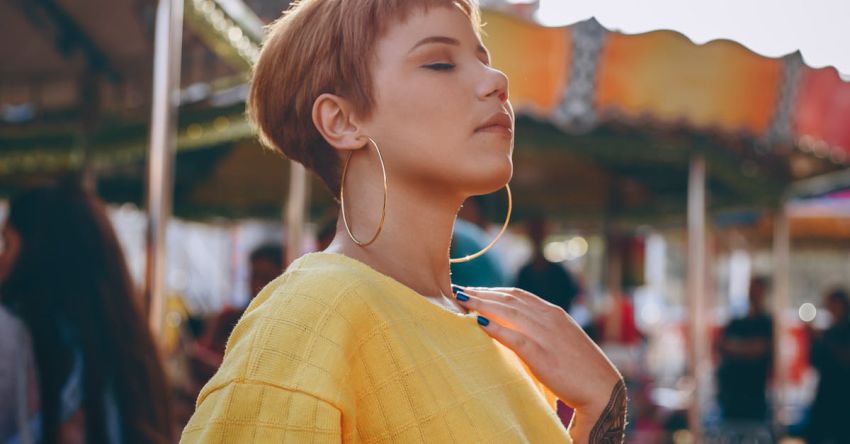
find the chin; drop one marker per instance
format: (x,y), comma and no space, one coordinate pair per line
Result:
(492,176)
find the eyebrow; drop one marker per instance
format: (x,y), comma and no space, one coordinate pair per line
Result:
(447,41)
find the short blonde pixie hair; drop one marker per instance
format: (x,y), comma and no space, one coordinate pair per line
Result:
(317,47)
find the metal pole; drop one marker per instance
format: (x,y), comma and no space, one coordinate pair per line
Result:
(696,290)
(781,293)
(160,181)
(296,206)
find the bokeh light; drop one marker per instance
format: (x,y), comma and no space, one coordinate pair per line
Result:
(808,312)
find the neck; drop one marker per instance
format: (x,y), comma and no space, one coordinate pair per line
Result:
(413,246)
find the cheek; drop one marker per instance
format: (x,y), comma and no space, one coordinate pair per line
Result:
(420,128)
(427,129)
(426,116)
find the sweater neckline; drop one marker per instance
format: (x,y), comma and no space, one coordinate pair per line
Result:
(415,297)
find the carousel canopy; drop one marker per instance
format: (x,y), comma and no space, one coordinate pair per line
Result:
(607,121)
(773,30)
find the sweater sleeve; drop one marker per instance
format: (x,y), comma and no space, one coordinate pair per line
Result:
(548,395)
(251,412)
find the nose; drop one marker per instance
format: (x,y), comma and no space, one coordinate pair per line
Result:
(495,84)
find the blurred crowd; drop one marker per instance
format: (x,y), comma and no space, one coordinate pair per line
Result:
(78,362)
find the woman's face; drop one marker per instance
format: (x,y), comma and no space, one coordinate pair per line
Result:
(441,114)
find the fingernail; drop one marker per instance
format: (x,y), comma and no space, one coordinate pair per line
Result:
(456,288)
(461,296)
(482,321)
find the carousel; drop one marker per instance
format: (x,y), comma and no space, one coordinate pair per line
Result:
(614,131)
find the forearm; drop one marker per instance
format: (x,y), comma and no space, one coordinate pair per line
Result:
(604,424)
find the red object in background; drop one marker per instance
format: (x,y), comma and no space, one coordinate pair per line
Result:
(565,413)
(823,104)
(634,261)
(800,361)
(626,331)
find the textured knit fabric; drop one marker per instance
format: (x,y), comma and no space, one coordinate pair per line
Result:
(333,351)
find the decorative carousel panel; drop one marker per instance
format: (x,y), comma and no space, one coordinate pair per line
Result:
(665,77)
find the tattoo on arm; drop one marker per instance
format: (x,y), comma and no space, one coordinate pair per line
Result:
(611,426)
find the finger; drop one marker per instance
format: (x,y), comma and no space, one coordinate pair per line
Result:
(540,313)
(513,316)
(518,293)
(520,343)
(494,295)
(513,295)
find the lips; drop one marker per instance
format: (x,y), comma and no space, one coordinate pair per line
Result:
(498,122)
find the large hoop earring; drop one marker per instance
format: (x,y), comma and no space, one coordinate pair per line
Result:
(342,198)
(498,236)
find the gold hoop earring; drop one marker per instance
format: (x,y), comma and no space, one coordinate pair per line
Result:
(498,236)
(342,198)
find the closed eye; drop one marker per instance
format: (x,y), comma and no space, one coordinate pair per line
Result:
(440,66)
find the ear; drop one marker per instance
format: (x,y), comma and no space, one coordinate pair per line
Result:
(333,116)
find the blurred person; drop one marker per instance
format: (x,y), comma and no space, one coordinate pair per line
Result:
(541,277)
(367,341)
(100,377)
(327,231)
(746,358)
(548,280)
(266,263)
(207,351)
(830,354)
(485,271)
(508,254)
(472,211)
(19,421)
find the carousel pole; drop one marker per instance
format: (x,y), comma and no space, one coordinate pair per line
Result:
(160,179)
(781,302)
(696,289)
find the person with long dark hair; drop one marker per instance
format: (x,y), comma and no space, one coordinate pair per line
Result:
(63,274)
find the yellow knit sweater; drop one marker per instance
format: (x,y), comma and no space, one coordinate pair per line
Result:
(334,351)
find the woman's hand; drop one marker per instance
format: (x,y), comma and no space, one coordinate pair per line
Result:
(559,354)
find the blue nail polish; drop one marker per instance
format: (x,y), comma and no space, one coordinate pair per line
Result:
(461,296)
(456,288)
(482,321)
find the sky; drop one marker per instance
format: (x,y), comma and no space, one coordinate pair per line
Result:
(820,29)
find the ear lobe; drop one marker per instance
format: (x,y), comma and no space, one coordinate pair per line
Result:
(333,118)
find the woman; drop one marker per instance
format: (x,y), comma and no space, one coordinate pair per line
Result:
(99,376)
(394,104)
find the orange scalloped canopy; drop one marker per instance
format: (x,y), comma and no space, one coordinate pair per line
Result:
(662,75)
(534,58)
